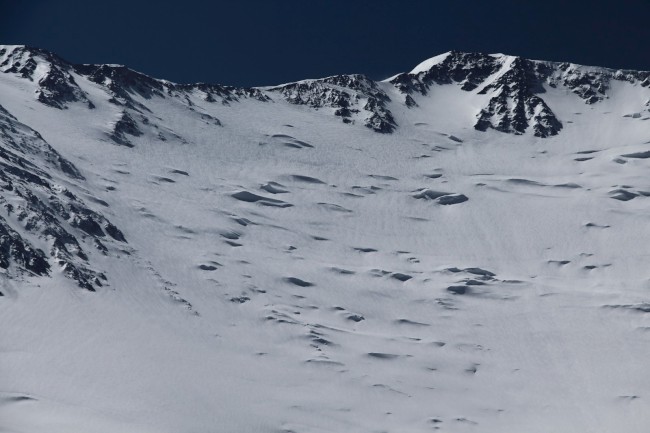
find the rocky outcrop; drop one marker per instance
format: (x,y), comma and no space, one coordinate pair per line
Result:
(514,87)
(511,84)
(513,90)
(514,106)
(56,86)
(43,224)
(349,97)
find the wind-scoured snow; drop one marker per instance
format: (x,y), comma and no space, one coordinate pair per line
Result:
(326,256)
(427,64)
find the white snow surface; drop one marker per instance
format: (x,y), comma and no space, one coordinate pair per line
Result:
(202,329)
(429,63)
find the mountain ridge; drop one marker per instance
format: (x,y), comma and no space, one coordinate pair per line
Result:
(515,106)
(460,249)
(511,89)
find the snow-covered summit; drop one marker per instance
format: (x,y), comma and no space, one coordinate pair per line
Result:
(512,89)
(458,248)
(429,63)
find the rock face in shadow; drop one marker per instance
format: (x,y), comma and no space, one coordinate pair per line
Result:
(56,87)
(34,206)
(15,249)
(513,89)
(344,95)
(125,126)
(513,105)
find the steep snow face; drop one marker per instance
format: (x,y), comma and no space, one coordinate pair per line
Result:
(55,85)
(40,211)
(460,248)
(429,63)
(515,88)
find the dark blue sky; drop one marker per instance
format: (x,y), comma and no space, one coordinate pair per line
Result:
(248,42)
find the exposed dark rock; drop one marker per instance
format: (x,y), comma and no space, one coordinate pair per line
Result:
(114,232)
(465,69)
(343,93)
(123,127)
(513,87)
(514,105)
(14,248)
(36,207)
(57,87)
(123,82)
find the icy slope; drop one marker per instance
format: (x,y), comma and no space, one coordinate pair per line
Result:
(460,248)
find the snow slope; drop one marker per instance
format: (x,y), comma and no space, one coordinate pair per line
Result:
(462,248)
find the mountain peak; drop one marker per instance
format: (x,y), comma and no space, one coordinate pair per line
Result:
(324,255)
(429,63)
(511,90)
